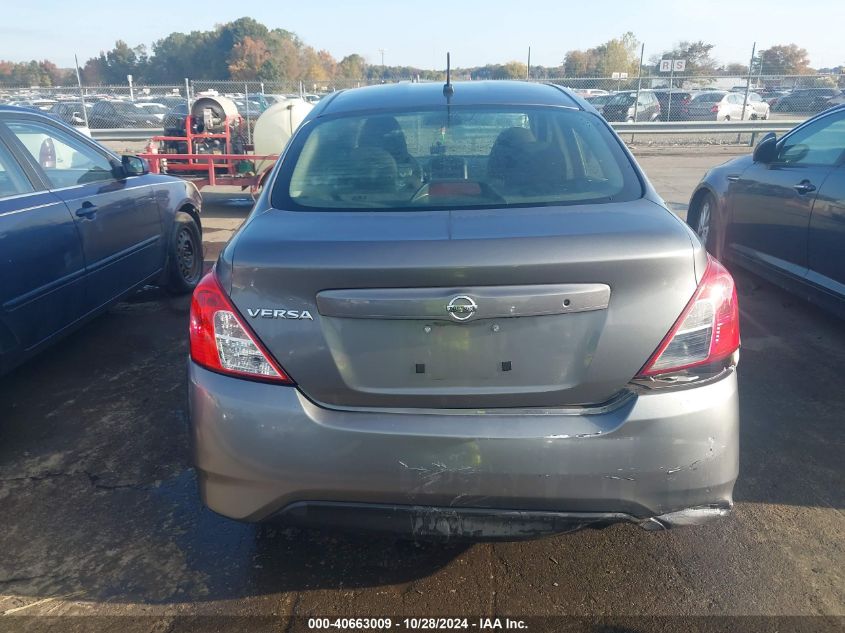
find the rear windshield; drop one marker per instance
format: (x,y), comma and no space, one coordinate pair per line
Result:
(464,157)
(623,98)
(709,97)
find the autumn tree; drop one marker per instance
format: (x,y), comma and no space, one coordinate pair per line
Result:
(784,59)
(616,55)
(34,73)
(580,63)
(352,67)
(114,65)
(696,55)
(248,58)
(734,69)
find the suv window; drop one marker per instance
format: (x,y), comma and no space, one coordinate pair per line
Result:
(12,179)
(819,143)
(66,161)
(470,157)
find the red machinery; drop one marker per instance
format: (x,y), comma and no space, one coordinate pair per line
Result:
(212,150)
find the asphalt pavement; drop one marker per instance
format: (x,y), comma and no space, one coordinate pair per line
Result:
(100,515)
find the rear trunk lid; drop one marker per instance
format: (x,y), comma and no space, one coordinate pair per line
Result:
(436,309)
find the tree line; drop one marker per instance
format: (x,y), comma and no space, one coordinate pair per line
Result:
(247,50)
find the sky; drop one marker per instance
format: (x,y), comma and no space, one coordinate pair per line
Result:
(418,34)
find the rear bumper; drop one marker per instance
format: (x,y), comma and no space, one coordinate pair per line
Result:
(264,451)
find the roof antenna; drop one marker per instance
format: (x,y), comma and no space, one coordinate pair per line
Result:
(448,89)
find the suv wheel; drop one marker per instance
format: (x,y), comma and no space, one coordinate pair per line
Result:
(184,261)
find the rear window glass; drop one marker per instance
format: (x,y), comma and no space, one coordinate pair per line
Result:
(623,98)
(709,97)
(461,158)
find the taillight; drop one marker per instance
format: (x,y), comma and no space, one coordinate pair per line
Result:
(715,109)
(222,342)
(707,330)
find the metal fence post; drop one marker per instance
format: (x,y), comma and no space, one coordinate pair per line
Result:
(639,86)
(81,91)
(671,84)
(748,80)
(747,87)
(246,105)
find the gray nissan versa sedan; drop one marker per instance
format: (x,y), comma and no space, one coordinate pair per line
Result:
(463,310)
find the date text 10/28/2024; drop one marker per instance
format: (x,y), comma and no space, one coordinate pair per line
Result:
(420,624)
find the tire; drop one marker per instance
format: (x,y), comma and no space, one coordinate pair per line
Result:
(630,119)
(184,256)
(701,220)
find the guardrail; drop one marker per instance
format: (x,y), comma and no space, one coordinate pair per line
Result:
(706,127)
(658,127)
(127,134)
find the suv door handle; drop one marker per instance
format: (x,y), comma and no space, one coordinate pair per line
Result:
(87,210)
(805,186)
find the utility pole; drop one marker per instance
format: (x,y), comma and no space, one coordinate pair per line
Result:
(81,91)
(381,50)
(528,67)
(639,84)
(748,80)
(671,85)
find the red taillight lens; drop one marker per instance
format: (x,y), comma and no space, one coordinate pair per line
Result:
(715,109)
(707,330)
(222,342)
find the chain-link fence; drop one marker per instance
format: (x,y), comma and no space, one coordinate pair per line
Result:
(650,97)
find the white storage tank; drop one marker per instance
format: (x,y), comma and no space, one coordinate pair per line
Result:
(276,125)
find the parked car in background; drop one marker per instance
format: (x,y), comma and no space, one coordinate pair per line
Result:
(251,108)
(781,211)
(157,110)
(80,228)
(586,93)
(624,107)
(773,95)
(716,105)
(805,100)
(680,98)
(45,105)
(598,101)
(836,100)
(70,112)
(759,108)
(463,316)
(174,120)
(169,101)
(120,114)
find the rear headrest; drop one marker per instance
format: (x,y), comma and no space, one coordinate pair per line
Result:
(507,149)
(384,133)
(369,169)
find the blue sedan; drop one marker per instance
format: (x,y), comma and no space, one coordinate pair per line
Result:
(80,229)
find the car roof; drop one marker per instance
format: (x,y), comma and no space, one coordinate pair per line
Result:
(410,95)
(24,109)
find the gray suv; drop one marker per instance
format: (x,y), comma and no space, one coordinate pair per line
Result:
(464,311)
